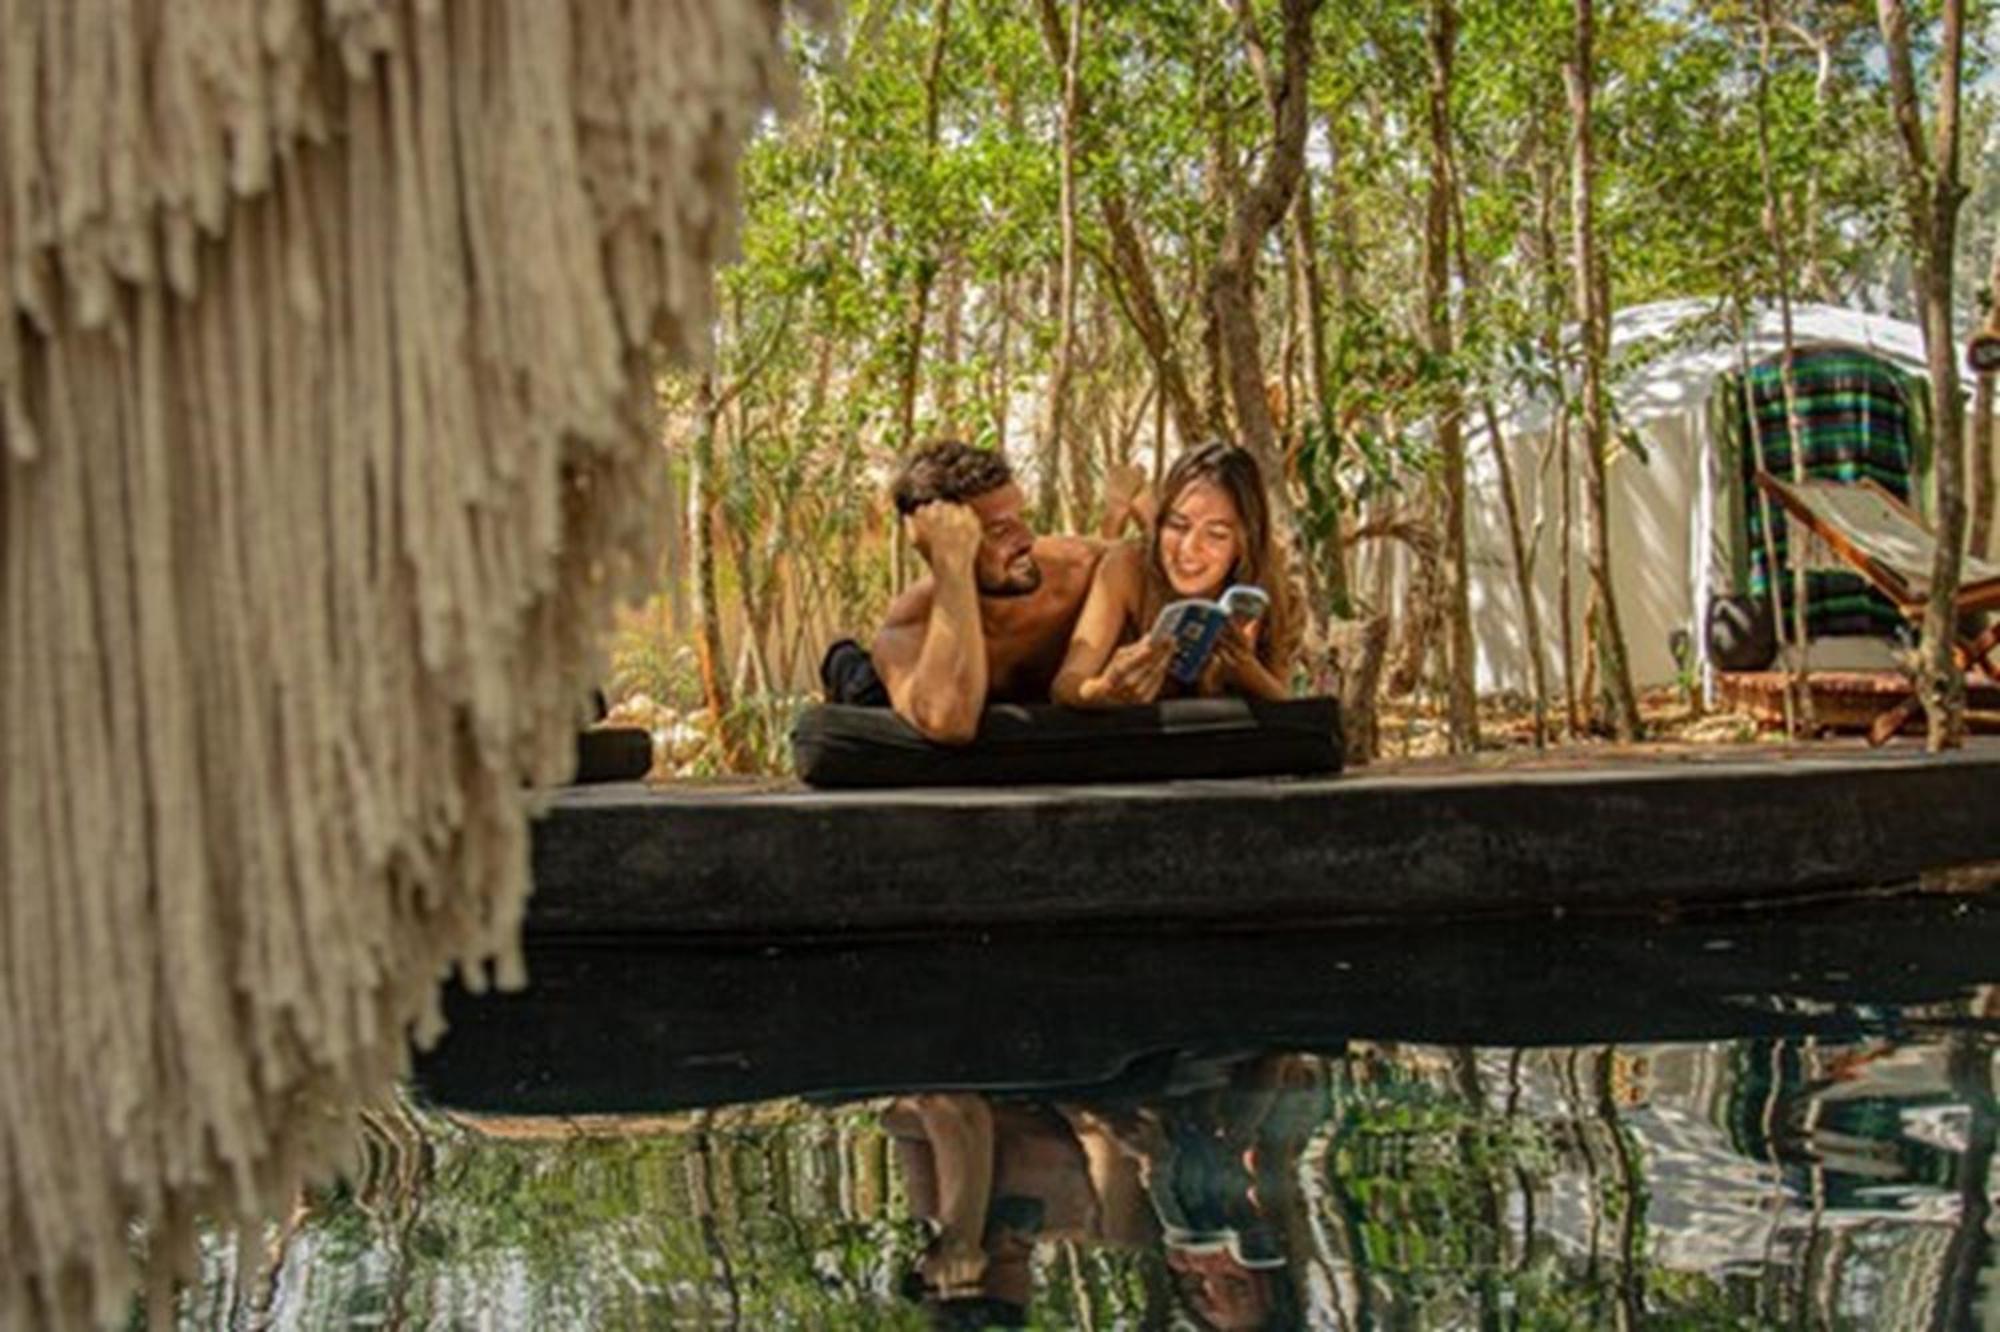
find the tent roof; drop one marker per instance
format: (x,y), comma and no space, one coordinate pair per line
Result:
(1698,342)
(1668,355)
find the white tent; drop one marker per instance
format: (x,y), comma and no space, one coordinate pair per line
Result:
(1668,500)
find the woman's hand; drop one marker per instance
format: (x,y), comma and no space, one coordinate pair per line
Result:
(1233,667)
(1236,651)
(1134,674)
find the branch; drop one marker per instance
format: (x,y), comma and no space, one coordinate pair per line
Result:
(1894,19)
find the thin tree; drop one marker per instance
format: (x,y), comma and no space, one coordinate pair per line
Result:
(1232,276)
(1595,319)
(945,387)
(1550,264)
(1330,570)
(1766,510)
(926,269)
(1127,262)
(1059,424)
(1129,267)
(1461,703)
(1813,278)
(1522,543)
(1932,194)
(707,609)
(1800,712)
(1984,445)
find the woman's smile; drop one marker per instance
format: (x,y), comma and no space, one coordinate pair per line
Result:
(1201,539)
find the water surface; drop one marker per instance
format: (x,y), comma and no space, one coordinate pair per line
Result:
(1783,1120)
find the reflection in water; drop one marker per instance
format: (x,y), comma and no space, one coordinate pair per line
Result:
(1775,1181)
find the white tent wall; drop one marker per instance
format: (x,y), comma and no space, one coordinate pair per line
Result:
(1658,509)
(1670,528)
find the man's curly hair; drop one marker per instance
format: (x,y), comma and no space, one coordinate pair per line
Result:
(948,470)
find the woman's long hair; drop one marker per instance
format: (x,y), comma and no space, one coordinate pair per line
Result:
(1262,560)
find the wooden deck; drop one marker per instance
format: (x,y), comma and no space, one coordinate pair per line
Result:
(1847,701)
(1645,831)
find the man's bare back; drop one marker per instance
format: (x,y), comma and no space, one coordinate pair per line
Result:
(1025,635)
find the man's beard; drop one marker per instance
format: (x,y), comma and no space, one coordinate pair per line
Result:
(1014,584)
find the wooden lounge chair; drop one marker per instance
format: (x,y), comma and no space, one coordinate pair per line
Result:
(1887,543)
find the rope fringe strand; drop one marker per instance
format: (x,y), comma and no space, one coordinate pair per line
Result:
(327,332)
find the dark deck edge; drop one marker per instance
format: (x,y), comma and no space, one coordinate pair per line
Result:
(626,861)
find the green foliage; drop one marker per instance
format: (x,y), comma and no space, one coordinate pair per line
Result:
(892,215)
(646,661)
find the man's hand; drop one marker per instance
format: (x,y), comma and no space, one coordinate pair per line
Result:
(1136,671)
(945,534)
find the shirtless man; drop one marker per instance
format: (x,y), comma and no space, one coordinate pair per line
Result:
(993,619)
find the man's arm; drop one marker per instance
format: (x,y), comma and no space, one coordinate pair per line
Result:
(933,661)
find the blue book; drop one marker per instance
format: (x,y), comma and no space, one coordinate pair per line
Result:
(1195,624)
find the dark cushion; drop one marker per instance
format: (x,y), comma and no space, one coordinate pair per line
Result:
(837,745)
(1741,636)
(613,754)
(847,674)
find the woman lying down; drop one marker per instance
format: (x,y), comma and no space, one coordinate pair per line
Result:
(1199,606)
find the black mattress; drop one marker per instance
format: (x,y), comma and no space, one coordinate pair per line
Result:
(836,745)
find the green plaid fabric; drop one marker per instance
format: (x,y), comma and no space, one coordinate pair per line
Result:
(1856,421)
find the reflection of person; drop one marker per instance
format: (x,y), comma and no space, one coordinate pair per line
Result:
(995,1178)
(993,618)
(1213,529)
(1204,1170)
(1218,1156)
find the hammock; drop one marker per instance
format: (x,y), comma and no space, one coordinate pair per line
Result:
(327,333)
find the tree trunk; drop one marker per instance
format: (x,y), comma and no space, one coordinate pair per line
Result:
(1595,319)
(1521,548)
(708,613)
(1766,510)
(1346,233)
(1523,557)
(1969,1254)
(1129,265)
(1217,196)
(1423,607)
(1549,260)
(1138,297)
(1358,649)
(1059,425)
(1801,711)
(673,552)
(1980,454)
(1048,445)
(1934,193)
(1813,278)
(1461,702)
(1566,572)
(1003,368)
(953,349)
(1232,276)
(920,295)
(1332,555)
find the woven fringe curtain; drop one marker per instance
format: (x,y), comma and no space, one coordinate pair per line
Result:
(327,330)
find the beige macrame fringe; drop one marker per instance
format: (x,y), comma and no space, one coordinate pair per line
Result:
(325,330)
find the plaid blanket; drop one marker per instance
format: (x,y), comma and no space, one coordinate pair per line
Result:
(1856,420)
